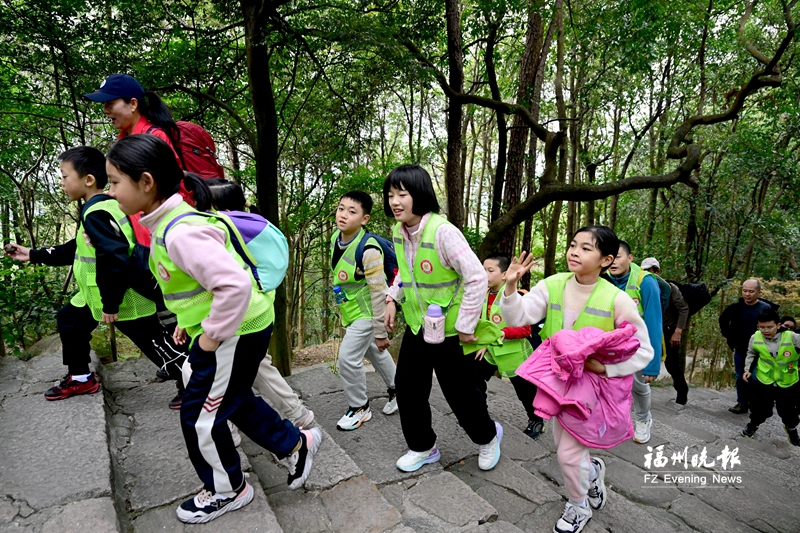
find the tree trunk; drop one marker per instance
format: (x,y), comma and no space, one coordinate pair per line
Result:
(256,22)
(454,181)
(518,139)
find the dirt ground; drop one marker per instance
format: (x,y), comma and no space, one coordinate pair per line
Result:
(319,353)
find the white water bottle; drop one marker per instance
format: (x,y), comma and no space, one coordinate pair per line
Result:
(433,325)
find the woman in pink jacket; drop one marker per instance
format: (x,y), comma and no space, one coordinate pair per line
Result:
(571,301)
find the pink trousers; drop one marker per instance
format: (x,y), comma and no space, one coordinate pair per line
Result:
(573,457)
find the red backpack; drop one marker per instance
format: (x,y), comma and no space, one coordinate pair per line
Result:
(197,150)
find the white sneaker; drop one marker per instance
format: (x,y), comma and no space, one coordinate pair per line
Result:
(413,461)
(305,419)
(300,462)
(391,405)
(207,506)
(641,431)
(237,439)
(597,486)
(490,453)
(353,418)
(573,519)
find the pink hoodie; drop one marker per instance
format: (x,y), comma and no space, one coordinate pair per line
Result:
(593,408)
(200,252)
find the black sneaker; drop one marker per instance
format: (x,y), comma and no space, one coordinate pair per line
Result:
(597,486)
(793,437)
(162,375)
(208,505)
(535,429)
(683,397)
(177,401)
(299,463)
(750,430)
(739,409)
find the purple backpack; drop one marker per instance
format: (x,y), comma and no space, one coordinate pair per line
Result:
(260,244)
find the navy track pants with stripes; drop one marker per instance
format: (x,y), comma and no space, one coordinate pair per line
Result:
(218,389)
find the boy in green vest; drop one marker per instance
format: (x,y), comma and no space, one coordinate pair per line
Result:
(776,379)
(514,347)
(360,290)
(643,288)
(100,257)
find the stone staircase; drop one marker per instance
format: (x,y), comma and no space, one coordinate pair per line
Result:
(116,462)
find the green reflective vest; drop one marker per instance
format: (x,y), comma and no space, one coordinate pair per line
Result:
(780,367)
(507,356)
(430,282)
(189,300)
(598,311)
(359,302)
(634,288)
(84,268)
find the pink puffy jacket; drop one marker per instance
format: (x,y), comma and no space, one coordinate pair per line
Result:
(593,408)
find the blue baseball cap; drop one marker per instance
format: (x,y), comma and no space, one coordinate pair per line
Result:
(117,86)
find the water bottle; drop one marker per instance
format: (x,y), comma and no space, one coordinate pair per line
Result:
(433,325)
(339,294)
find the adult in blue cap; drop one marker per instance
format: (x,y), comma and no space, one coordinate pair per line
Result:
(132,110)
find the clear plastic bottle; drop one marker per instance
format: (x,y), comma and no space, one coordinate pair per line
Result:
(339,294)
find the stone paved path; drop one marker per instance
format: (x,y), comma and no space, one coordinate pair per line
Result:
(116,462)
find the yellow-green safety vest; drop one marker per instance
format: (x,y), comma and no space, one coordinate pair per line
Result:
(598,311)
(507,356)
(430,282)
(189,300)
(84,268)
(359,302)
(780,367)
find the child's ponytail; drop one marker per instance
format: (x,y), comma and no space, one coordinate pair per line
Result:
(201,193)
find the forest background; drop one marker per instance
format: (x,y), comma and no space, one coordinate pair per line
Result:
(675,122)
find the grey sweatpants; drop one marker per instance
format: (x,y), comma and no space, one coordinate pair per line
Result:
(641,398)
(359,342)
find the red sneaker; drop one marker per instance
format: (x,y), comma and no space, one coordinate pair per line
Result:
(69,387)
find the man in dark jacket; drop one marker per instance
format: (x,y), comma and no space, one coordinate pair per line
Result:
(676,315)
(737,323)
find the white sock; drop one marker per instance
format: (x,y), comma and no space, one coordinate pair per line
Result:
(81,378)
(583,503)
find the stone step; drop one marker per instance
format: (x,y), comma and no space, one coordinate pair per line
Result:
(55,468)
(354,485)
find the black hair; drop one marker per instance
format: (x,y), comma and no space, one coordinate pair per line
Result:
(502,261)
(136,154)
(362,198)
(226,195)
(770,315)
(624,245)
(785,318)
(153,108)
(415,180)
(87,160)
(604,239)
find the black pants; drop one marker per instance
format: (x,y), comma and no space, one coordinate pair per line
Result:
(458,378)
(526,391)
(764,397)
(75,327)
(674,363)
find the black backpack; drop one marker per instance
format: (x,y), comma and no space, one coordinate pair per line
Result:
(389,256)
(696,295)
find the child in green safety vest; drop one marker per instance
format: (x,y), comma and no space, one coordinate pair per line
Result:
(443,285)
(360,288)
(512,349)
(574,300)
(100,256)
(219,304)
(776,382)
